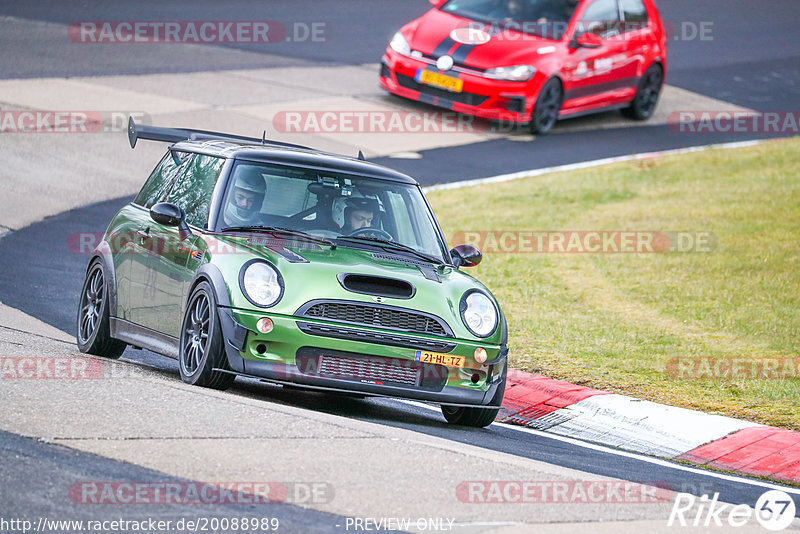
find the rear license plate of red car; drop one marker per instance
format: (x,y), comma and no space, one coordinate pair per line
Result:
(427,77)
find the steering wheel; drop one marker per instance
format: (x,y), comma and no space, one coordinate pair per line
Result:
(374,231)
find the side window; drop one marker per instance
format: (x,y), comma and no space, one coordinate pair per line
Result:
(193,188)
(635,15)
(160,179)
(600,18)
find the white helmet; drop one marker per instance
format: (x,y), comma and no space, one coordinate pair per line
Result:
(248,178)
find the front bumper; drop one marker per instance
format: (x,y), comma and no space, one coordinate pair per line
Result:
(482,97)
(294,354)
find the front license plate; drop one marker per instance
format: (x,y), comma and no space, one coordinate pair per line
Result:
(454,85)
(450,360)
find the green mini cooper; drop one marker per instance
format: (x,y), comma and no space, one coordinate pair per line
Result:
(248,257)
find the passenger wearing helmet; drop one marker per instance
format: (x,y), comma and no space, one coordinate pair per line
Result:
(359,213)
(246,197)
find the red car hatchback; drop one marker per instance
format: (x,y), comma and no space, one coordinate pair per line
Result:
(531,61)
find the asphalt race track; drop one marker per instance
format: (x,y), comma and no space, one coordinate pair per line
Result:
(720,48)
(751,60)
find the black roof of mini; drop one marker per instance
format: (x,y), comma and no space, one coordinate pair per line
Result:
(281,154)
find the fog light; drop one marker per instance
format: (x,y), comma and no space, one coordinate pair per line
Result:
(264,325)
(480,355)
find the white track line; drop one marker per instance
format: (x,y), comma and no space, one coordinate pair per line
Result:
(635,456)
(587,164)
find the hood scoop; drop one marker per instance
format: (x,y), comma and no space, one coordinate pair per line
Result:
(376,286)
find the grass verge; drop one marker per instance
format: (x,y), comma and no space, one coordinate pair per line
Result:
(619,321)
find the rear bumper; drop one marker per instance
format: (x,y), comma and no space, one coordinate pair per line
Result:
(481,97)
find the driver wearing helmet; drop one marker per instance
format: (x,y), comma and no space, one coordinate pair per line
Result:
(359,213)
(245,198)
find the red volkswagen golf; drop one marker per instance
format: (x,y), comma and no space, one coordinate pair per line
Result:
(531,61)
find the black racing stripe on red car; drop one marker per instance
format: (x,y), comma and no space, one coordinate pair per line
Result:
(443,47)
(460,54)
(596,89)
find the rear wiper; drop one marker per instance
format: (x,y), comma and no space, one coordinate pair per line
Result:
(398,246)
(279,230)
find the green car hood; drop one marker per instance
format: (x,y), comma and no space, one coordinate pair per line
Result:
(311,272)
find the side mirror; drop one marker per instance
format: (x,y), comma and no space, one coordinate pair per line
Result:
(466,256)
(589,40)
(169,214)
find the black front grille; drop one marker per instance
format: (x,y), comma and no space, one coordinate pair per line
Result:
(470,99)
(340,365)
(377,316)
(395,340)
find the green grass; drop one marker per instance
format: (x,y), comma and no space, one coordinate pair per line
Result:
(613,321)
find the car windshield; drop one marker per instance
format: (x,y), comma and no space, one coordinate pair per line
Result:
(348,210)
(543,18)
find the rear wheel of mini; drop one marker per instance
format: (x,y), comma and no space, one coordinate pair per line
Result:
(201,349)
(644,103)
(94,330)
(477,417)
(548,106)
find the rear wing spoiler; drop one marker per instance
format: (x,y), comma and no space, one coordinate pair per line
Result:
(175,135)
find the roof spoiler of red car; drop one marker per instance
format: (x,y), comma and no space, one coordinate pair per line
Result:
(174,135)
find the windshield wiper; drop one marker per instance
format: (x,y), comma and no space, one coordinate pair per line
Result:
(279,230)
(394,245)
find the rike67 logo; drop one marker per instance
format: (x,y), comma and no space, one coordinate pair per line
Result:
(774,510)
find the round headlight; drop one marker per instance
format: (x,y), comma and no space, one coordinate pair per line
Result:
(261,283)
(479,314)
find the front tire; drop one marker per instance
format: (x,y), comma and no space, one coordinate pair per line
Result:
(94,330)
(548,106)
(644,103)
(202,350)
(477,417)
